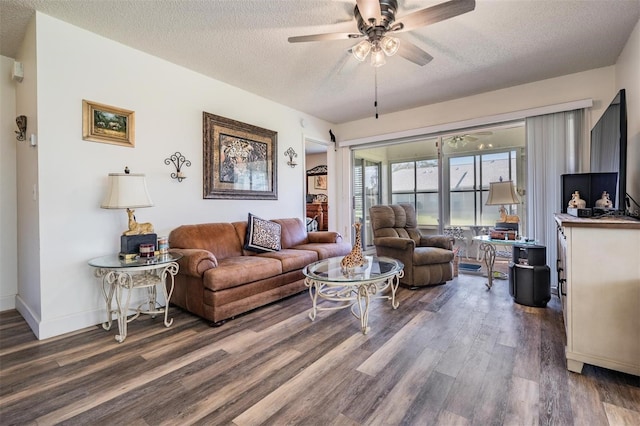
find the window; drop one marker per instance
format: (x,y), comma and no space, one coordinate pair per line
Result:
(416,182)
(469,178)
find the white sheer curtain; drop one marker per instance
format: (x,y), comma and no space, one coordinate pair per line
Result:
(556,144)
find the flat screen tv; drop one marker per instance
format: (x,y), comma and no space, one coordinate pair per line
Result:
(609,146)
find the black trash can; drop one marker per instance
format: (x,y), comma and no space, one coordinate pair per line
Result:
(529,276)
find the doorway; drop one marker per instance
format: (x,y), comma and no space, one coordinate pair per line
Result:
(317,188)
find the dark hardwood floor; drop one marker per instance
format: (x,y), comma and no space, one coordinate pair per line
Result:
(449,355)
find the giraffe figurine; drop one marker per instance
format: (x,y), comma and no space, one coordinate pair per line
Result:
(355,257)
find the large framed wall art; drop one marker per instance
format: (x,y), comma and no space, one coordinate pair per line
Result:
(238,160)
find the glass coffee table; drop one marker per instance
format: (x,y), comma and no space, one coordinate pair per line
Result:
(353,288)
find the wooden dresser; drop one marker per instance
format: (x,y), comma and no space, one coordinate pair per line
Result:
(599,285)
(321,210)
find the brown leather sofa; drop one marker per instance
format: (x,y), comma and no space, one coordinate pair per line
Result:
(219,279)
(428,259)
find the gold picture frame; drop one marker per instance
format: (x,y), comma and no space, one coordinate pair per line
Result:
(108,124)
(238,160)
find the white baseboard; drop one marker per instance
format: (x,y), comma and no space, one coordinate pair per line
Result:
(67,324)
(29,316)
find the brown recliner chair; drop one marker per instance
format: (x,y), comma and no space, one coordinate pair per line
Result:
(428,259)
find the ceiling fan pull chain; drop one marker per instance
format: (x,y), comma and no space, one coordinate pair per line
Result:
(375,103)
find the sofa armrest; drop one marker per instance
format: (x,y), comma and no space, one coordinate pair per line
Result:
(395,243)
(442,241)
(324,237)
(195,262)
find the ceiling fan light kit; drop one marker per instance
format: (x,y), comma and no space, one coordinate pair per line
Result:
(385,46)
(376,20)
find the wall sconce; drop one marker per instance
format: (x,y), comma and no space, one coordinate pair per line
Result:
(178,161)
(21,121)
(291,154)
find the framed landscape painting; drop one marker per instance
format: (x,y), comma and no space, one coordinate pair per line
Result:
(239,160)
(107,124)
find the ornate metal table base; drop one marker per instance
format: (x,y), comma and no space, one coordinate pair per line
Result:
(488,248)
(119,282)
(489,251)
(356,296)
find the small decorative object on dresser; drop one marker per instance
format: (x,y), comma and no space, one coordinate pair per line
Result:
(605,201)
(576,202)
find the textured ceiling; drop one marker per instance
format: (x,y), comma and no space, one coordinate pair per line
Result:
(501,43)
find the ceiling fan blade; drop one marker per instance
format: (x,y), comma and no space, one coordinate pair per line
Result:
(323,37)
(413,53)
(436,13)
(370,9)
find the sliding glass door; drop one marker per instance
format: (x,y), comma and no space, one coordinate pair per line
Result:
(366,190)
(448,186)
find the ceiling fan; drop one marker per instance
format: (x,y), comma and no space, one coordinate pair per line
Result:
(457,141)
(376,22)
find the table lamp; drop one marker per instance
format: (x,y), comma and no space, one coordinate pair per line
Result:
(501,193)
(129,191)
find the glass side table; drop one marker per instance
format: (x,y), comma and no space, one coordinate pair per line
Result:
(119,275)
(488,247)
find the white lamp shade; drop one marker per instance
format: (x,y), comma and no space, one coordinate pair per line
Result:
(126,191)
(501,193)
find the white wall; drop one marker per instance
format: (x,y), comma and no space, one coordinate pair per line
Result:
(28,300)
(628,78)
(597,84)
(8,208)
(168,100)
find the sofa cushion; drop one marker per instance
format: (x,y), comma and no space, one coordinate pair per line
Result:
(294,232)
(262,235)
(292,259)
(326,250)
(236,271)
(220,239)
